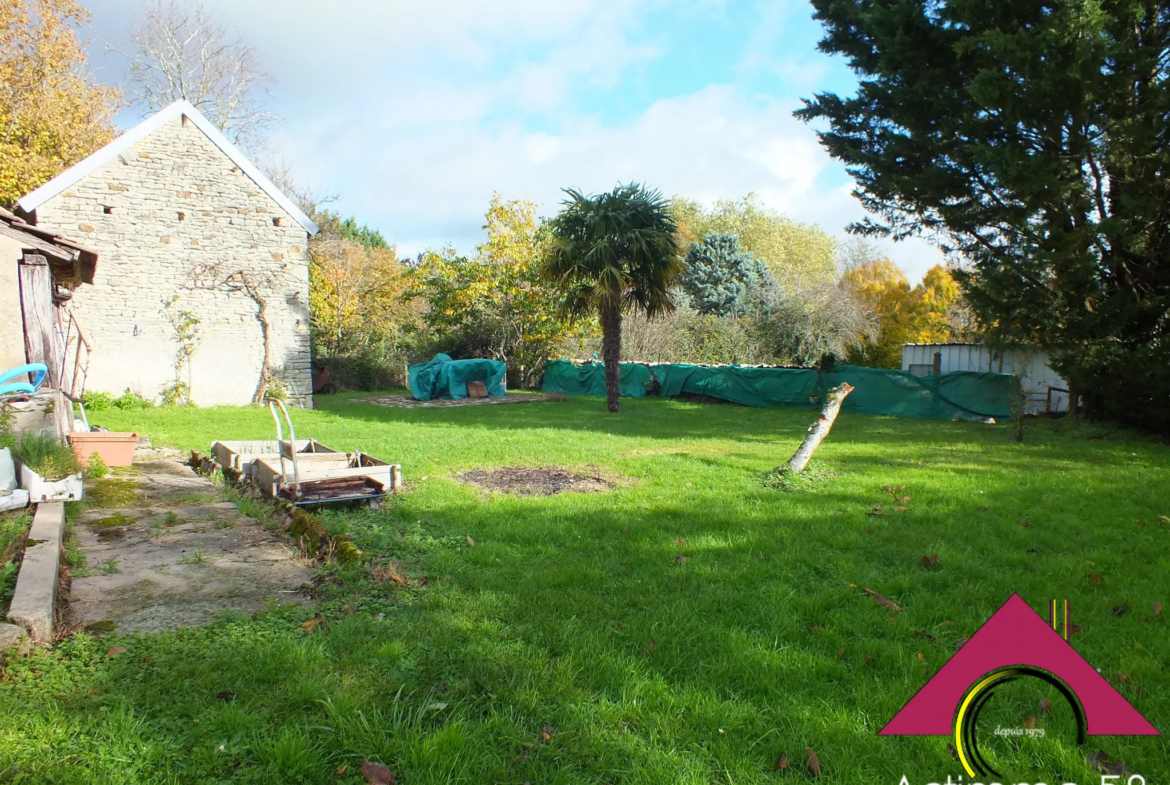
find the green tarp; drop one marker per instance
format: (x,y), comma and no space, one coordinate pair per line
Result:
(962,395)
(569,378)
(445,378)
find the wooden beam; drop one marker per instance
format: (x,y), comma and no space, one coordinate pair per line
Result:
(36,307)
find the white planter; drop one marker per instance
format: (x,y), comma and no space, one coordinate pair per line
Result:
(13,500)
(42,490)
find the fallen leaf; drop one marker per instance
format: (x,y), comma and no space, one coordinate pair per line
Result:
(682,543)
(681,559)
(377,774)
(1123,677)
(867,658)
(814,763)
(920,657)
(982,508)
(341,772)
(470,541)
(930,561)
(1120,610)
(961,642)
(1029,722)
(114,651)
(546,733)
(924,634)
(1024,522)
(899,509)
(690,484)
(840,512)
(883,601)
(312,624)
(1073,629)
(1157,609)
(841,653)
(653,645)
(869,531)
(782,763)
(1095,578)
(226,695)
(762,557)
(1045,704)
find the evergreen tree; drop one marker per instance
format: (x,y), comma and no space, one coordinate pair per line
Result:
(724,280)
(1029,135)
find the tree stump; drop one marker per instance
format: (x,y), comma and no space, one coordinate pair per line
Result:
(820,429)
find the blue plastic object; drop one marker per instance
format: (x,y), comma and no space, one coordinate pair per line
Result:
(37,371)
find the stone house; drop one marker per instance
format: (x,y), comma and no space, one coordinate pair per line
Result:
(205,269)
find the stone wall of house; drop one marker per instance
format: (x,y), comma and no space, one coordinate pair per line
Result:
(171,219)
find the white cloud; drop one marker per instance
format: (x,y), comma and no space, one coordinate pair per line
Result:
(417,112)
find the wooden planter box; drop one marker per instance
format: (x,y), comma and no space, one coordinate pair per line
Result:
(116,449)
(42,490)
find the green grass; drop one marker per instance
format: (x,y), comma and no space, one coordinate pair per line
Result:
(691,626)
(46,456)
(14,525)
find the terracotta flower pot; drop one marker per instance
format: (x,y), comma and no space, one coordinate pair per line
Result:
(116,449)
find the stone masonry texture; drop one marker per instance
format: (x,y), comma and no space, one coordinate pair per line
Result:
(170,218)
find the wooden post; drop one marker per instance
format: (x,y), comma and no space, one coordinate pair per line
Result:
(36,305)
(820,429)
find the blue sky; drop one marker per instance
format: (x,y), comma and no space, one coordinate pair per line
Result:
(416,112)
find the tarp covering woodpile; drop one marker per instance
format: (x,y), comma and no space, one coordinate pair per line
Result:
(447,379)
(958,395)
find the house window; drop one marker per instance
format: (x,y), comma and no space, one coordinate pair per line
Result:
(182,216)
(276,222)
(107,210)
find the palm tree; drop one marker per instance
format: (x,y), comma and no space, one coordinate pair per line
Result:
(613,252)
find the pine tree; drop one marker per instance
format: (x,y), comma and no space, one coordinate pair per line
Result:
(1029,136)
(724,280)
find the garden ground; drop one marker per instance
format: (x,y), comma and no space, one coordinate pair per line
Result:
(691,625)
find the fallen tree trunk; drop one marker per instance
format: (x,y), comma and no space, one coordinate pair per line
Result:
(820,429)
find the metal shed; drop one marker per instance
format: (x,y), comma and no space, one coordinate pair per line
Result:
(1045,390)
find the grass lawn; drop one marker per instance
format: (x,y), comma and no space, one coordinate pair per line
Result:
(691,626)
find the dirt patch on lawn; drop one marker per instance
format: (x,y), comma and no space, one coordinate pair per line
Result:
(537,480)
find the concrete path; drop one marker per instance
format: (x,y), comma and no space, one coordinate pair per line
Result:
(176,556)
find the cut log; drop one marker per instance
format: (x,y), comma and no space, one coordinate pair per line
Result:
(819,429)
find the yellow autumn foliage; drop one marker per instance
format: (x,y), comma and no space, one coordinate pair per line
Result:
(51,114)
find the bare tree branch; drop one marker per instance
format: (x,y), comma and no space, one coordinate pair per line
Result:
(184,52)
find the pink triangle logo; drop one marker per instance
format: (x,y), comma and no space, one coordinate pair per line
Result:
(1015,640)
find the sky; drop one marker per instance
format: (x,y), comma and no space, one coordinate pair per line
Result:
(414,113)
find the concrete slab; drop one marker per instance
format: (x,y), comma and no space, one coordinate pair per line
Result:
(35,595)
(177,556)
(12,635)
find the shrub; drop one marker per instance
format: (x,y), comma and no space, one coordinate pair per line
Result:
(96,468)
(46,456)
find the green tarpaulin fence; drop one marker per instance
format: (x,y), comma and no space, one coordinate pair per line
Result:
(569,378)
(962,395)
(445,378)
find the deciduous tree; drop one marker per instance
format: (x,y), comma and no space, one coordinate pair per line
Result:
(182,51)
(52,114)
(800,256)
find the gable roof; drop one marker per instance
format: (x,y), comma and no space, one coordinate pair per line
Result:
(1016,635)
(178,109)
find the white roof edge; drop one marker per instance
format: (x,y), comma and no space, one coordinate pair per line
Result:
(73,174)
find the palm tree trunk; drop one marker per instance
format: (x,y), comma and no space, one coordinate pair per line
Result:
(611,352)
